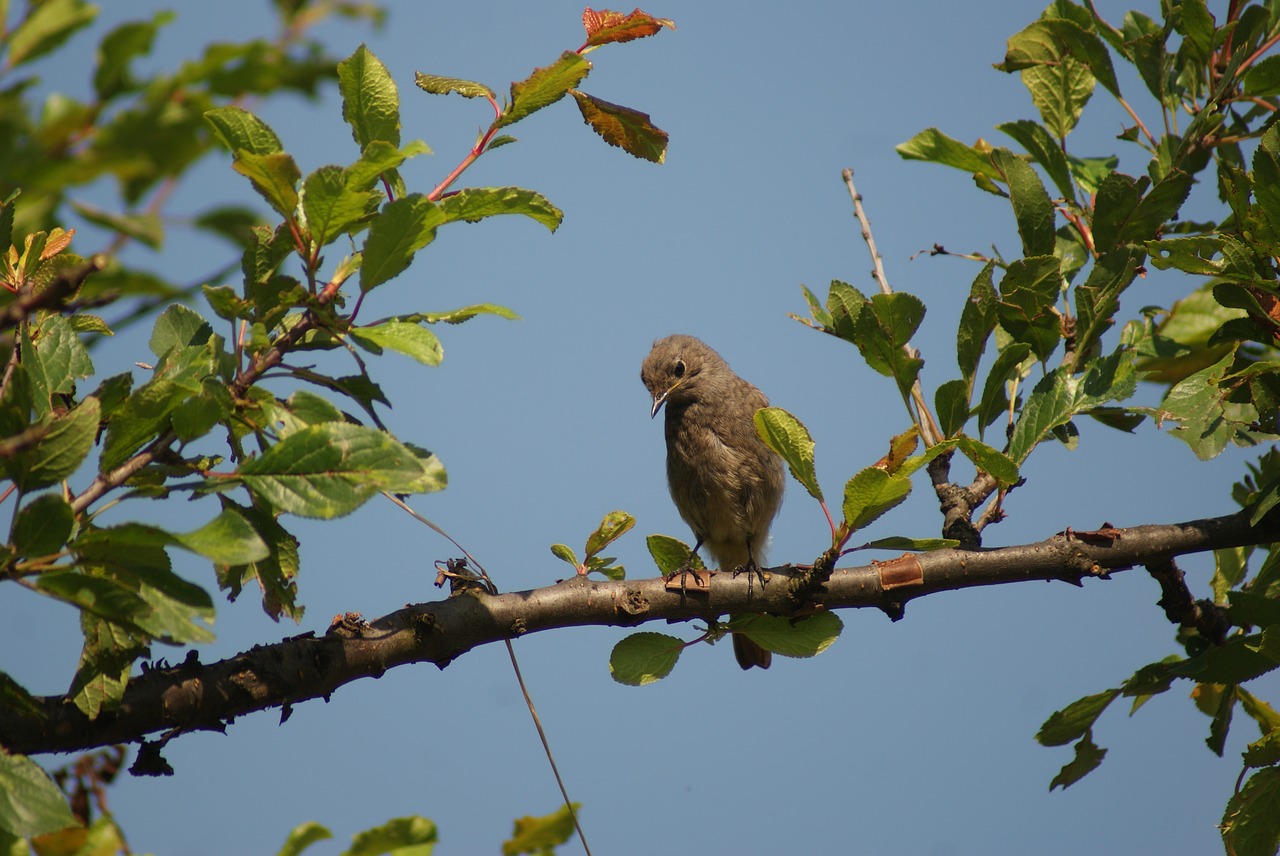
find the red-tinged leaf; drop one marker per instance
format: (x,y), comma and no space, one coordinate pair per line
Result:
(606,26)
(544,86)
(623,127)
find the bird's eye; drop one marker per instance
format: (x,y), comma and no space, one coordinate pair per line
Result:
(679,369)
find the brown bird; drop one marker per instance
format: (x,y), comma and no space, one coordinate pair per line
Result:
(726,483)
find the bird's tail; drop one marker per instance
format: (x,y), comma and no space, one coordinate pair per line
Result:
(749,653)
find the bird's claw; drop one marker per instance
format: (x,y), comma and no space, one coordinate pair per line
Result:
(701,579)
(756,573)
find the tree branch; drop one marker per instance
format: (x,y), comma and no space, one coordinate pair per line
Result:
(195,696)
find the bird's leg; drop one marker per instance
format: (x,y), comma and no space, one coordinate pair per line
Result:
(751,568)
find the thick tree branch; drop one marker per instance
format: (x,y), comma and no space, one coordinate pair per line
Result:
(195,696)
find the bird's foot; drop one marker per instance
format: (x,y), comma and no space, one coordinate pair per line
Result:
(678,580)
(755,572)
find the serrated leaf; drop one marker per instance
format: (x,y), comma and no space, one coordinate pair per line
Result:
(544,87)
(871,493)
(402,836)
(1028,292)
(370,102)
(30,803)
(61,449)
(331,469)
(671,554)
(1088,757)
(403,227)
(240,130)
(605,27)
(412,340)
(437,85)
(806,637)
(332,206)
(276,574)
(996,464)
(302,837)
(1046,151)
(787,436)
(628,129)
(883,327)
(42,526)
(565,553)
(1032,208)
(614,525)
(1235,662)
(466,313)
(1075,720)
(933,145)
(951,405)
(274,176)
(178,327)
(97,595)
(1251,822)
(476,203)
(977,320)
(643,658)
(540,835)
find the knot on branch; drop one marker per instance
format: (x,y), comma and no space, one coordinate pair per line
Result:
(1209,619)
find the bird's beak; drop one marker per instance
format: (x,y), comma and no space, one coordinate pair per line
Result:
(658,401)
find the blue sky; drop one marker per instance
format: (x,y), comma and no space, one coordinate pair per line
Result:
(908,737)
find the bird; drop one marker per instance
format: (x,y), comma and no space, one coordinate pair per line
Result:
(725,481)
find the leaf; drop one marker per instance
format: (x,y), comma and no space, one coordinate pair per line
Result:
(437,85)
(1028,292)
(466,313)
(1045,151)
(1251,821)
(111,76)
(30,803)
(403,227)
(988,460)
(106,661)
(178,327)
(871,493)
(412,340)
(55,359)
(977,320)
(614,525)
(920,544)
(787,436)
(97,595)
(404,836)
(951,404)
(630,130)
(1235,662)
(60,451)
(606,27)
(1032,208)
(643,658)
(933,145)
(332,206)
(882,332)
(43,526)
(302,837)
(240,130)
(994,402)
(476,203)
(1075,720)
(227,538)
(671,554)
(146,227)
(540,835)
(46,26)
(274,176)
(1088,757)
(331,469)
(806,637)
(370,102)
(142,416)
(276,573)
(544,87)
(1197,404)
(565,553)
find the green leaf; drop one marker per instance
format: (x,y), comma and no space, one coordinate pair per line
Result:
(806,637)
(871,493)
(933,145)
(1263,79)
(46,26)
(544,87)
(565,553)
(951,404)
(43,526)
(1235,662)
(331,469)
(977,320)
(994,402)
(60,451)
(614,525)
(845,305)
(55,359)
(276,574)
(274,176)
(1060,93)
(1075,720)
(671,554)
(370,102)
(919,544)
(240,130)
(30,803)
(1088,757)
(134,38)
(643,658)
(1028,292)
(466,313)
(994,463)
(331,206)
(1097,298)
(106,661)
(142,416)
(630,130)
(1031,205)
(403,227)
(1044,150)
(787,436)
(1115,203)
(1230,565)
(146,227)
(412,340)
(882,332)
(437,85)
(401,836)
(1251,821)
(97,595)
(302,837)
(227,538)
(476,203)
(540,835)
(1196,402)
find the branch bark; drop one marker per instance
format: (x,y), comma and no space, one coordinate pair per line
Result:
(195,696)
